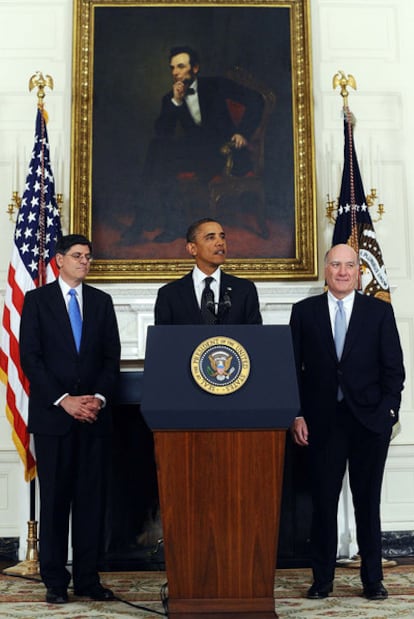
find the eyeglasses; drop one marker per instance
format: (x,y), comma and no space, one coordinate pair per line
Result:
(78,256)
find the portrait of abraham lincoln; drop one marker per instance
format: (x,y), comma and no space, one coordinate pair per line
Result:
(193,114)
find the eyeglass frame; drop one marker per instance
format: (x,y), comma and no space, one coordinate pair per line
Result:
(78,256)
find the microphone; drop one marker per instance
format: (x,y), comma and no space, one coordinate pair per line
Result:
(210,305)
(226,303)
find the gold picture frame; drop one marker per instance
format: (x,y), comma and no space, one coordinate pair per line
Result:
(120,68)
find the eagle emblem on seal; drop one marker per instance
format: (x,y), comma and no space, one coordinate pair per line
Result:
(220,363)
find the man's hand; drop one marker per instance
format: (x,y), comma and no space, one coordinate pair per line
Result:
(299,431)
(238,141)
(179,90)
(84,408)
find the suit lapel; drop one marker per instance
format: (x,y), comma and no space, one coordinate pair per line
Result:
(323,322)
(60,312)
(203,93)
(89,314)
(201,98)
(224,283)
(186,118)
(188,297)
(355,325)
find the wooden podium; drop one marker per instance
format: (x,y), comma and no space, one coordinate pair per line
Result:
(220,469)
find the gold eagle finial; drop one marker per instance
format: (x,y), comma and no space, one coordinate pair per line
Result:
(40,81)
(342,80)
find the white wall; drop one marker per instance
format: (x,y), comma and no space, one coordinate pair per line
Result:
(370,39)
(373,41)
(33,36)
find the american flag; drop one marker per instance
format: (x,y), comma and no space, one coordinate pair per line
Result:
(354,224)
(32,265)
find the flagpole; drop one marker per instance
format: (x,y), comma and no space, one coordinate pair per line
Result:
(33,499)
(30,566)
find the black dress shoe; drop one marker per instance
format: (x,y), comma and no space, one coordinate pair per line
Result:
(56,596)
(376,591)
(96,592)
(320,591)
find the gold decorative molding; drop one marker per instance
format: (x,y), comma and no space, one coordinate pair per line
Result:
(303,263)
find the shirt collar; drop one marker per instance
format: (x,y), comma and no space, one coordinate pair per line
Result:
(65,288)
(199,276)
(194,87)
(348,301)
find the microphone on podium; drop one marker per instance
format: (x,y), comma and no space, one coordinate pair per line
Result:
(225,303)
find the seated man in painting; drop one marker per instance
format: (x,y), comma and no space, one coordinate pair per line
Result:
(194,123)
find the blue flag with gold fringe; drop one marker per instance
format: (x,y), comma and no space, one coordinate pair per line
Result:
(354,225)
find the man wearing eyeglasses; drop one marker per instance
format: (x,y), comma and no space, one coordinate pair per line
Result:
(70,353)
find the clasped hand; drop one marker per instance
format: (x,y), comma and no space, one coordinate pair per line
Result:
(84,408)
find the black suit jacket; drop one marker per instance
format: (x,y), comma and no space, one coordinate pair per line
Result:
(52,364)
(370,372)
(177,304)
(216,120)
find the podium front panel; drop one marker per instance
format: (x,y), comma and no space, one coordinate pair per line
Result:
(172,399)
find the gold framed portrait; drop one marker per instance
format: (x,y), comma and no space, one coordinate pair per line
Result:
(244,154)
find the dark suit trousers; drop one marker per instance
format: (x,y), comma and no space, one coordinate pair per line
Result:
(347,441)
(72,476)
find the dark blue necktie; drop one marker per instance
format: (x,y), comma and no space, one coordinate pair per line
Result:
(75,317)
(339,335)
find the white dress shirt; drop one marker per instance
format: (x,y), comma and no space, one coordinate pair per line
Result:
(348,304)
(199,284)
(65,291)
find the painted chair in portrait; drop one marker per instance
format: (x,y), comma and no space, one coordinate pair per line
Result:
(228,189)
(226,193)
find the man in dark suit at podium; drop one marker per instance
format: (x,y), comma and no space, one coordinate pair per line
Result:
(207,295)
(350,374)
